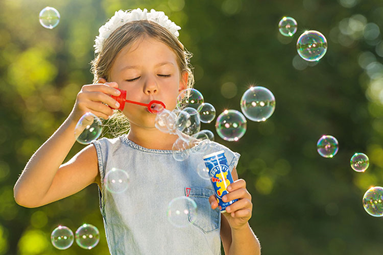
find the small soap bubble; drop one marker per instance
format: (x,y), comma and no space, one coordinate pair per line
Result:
(258,103)
(116,180)
(182,211)
(359,162)
(192,122)
(189,98)
(204,134)
(206,112)
(62,237)
(327,146)
(231,125)
(49,17)
(203,171)
(166,121)
(312,45)
(181,149)
(87,236)
(288,26)
(373,201)
(88,128)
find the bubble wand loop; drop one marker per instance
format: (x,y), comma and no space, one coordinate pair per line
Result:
(153,106)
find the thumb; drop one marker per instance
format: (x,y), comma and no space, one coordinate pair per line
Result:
(213,202)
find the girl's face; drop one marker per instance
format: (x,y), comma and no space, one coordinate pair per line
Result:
(147,70)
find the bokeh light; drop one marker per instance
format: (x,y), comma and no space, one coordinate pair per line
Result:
(189,98)
(182,211)
(312,45)
(116,180)
(206,112)
(288,26)
(327,146)
(231,125)
(49,17)
(258,103)
(87,236)
(62,237)
(373,201)
(88,128)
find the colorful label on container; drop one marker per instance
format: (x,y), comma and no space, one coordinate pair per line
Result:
(220,176)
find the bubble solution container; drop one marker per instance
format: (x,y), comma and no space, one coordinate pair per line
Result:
(220,176)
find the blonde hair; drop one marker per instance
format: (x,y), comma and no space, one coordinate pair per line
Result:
(125,35)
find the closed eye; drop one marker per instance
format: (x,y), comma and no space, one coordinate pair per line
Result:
(133,79)
(164,75)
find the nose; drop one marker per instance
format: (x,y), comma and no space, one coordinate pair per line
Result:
(151,86)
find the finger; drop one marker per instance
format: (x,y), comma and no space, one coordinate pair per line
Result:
(97,96)
(244,213)
(239,205)
(213,202)
(238,184)
(102,80)
(236,194)
(99,109)
(107,88)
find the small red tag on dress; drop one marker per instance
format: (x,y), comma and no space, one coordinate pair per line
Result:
(187,191)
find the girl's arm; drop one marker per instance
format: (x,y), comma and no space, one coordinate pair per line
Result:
(45,179)
(236,233)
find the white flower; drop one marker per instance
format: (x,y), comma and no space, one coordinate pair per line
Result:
(122,17)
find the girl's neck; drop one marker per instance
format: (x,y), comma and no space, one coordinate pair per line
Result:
(152,138)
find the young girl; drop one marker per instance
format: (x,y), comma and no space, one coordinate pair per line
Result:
(139,52)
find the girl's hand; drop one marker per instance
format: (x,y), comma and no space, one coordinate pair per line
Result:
(238,213)
(96,98)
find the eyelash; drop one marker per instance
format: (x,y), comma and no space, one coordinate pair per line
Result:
(161,75)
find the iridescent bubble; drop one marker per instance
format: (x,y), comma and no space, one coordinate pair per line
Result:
(180,149)
(231,125)
(49,17)
(166,121)
(312,45)
(359,162)
(193,122)
(88,128)
(87,236)
(62,237)
(203,171)
(327,146)
(373,201)
(116,180)
(258,103)
(182,211)
(206,112)
(288,26)
(189,98)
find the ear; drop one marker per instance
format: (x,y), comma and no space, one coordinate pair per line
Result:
(184,81)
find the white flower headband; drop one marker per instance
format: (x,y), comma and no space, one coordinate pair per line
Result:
(122,17)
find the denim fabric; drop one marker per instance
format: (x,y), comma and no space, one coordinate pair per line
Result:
(136,221)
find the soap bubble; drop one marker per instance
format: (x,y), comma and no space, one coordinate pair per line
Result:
(203,171)
(203,138)
(180,149)
(287,26)
(359,162)
(62,237)
(49,17)
(87,236)
(204,134)
(116,180)
(88,128)
(166,121)
(206,112)
(373,201)
(258,103)
(312,45)
(193,122)
(327,146)
(231,125)
(182,211)
(189,98)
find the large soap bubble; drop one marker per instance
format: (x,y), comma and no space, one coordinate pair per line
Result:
(312,45)
(231,125)
(373,201)
(88,128)
(258,103)
(182,211)
(87,236)
(287,26)
(49,17)
(189,98)
(62,237)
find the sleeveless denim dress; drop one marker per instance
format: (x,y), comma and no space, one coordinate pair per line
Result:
(136,221)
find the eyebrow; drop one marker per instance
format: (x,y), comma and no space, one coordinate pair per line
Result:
(157,65)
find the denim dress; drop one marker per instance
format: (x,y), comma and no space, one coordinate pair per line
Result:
(136,220)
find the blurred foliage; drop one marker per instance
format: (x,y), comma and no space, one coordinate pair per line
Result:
(303,204)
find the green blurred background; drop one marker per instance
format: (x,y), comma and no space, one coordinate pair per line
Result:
(303,203)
